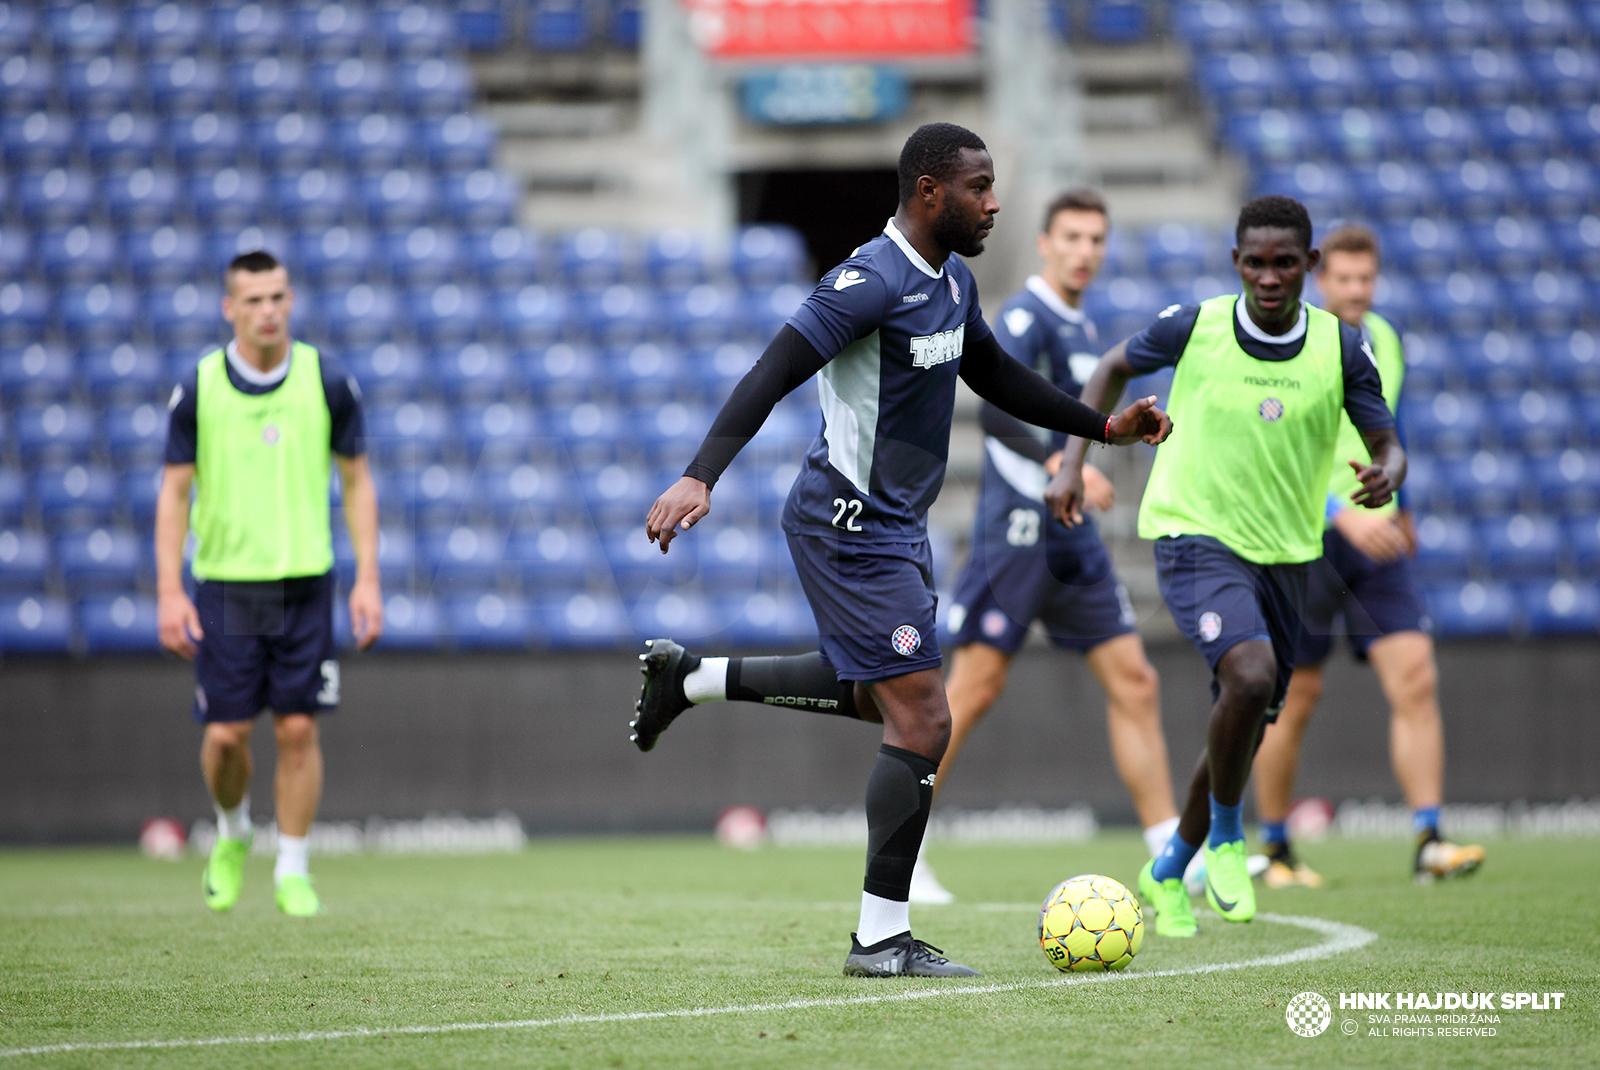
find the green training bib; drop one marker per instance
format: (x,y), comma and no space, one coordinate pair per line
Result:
(1392,370)
(1252,442)
(261,475)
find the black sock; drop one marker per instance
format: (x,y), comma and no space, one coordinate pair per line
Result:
(802,682)
(899,797)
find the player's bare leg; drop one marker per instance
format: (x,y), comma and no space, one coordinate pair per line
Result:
(1277,765)
(298,789)
(1133,722)
(1406,670)
(225,762)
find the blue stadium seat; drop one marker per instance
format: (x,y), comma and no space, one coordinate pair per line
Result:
(432,87)
(719,368)
(161,30)
(1394,190)
(1471,610)
(1536,23)
(436,496)
(688,614)
(1445,423)
(1589,417)
(164,256)
(473,373)
(125,373)
(416,31)
(638,565)
(352,86)
(1518,132)
(1463,302)
(533,315)
(591,257)
(704,314)
(135,435)
(412,622)
(481,199)
(1486,76)
(16,252)
(524,497)
(102,559)
(416,430)
(307,200)
(38,140)
(1495,361)
(56,198)
(583,621)
(184,87)
(142,198)
(333,257)
(620,493)
(1457,23)
(1580,125)
(227,242)
(730,555)
(56,433)
(138,493)
(1270,136)
(389,373)
(1476,188)
(447,314)
(1402,78)
(24,560)
(1560,608)
(485,620)
(361,316)
(1560,189)
(562,374)
(185,316)
(1520,546)
(1177,250)
(24,313)
(1199,288)
(463,557)
(75,496)
(1487,483)
(1241,81)
(663,425)
(676,258)
(1569,481)
(372,143)
(504,257)
(121,142)
(1377,25)
(120,624)
(1214,25)
(1430,365)
(1425,490)
(1438,133)
(558,25)
(1357,135)
(37,374)
(764,620)
(13,495)
(619,314)
(1324,188)
(26,82)
(267,86)
(100,86)
(768,308)
(1424,246)
(244,31)
(553,557)
(1583,543)
(498,432)
(1511,245)
(290,143)
(396,556)
(85,29)
(1572,361)
(625,28)
(768,255)
(204,142)
(1550,300)
(399,198)
(333,31)
(462,142)
(1396,297)
(17,25)
(1120,22)
(1324,79)
(35,625)
(78,254)
(645,373)
(423,256)
(227,198)
(1564,76)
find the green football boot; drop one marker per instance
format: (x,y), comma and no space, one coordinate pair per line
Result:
(1174,912)
(224,874)
(297,898)
(1228,886)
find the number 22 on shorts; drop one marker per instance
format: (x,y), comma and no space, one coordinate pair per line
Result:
(853,507)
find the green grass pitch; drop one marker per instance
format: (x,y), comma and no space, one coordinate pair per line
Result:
(105,947)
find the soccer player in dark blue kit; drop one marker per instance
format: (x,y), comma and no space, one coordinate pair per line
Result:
(887,332)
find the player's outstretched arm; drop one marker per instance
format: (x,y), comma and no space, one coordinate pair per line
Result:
(361,517)
(176,617)
(1064,496)
(1381,478)
(789,361)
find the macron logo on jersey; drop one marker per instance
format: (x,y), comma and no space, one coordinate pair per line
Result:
(931,350)
(1017,321)
(848,279)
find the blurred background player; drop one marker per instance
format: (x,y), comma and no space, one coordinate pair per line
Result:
(1363,587)
(1235,504)
(1026,565)
(888,330)
(253,430)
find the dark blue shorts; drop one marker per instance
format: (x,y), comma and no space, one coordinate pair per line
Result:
(874,603)
(1220,600)
(266,646)
(1028,566)
(1352,595)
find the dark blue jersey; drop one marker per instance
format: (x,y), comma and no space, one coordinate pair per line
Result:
(892,330)
(1059,342)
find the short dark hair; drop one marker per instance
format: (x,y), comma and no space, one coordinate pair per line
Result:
(1274,210)
(934,149)
(255,262)
(1076,199)
(1351,238)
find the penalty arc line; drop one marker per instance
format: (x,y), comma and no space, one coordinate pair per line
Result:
(1341,938)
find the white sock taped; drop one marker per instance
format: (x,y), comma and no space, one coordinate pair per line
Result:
(708,682)
(881,918)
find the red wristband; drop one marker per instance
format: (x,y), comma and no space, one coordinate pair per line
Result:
(1108,429)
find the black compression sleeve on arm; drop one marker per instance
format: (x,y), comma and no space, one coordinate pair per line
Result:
(789,361)
(1019,390)
(1012,432)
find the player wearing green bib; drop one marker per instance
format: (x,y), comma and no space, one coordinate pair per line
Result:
(1363,587)
(254,432)
(1235,506)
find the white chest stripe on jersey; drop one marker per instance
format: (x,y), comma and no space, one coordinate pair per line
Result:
(931,350)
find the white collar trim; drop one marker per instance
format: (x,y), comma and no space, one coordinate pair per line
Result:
(911,253)
(1294,334)
(1052,300)
(254,376)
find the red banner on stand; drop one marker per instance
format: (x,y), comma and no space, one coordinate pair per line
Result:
(830,29)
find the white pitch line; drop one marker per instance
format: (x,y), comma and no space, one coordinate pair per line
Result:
(1341,938)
